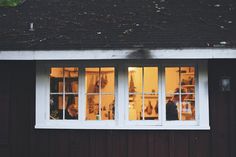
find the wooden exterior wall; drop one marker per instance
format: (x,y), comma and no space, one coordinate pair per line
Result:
(19,138)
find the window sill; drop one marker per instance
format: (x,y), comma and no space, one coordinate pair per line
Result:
(115,127)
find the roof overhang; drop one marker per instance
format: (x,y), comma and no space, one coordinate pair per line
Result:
(119,54)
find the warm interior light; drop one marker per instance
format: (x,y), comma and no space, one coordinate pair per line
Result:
(132,69)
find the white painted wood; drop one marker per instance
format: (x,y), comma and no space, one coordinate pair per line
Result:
(119,54)
(76,125)
(121,94)
(81,91)
(203,95)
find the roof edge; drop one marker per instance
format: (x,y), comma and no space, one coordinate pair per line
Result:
(119,54)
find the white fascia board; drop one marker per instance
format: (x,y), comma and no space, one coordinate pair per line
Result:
(119,54)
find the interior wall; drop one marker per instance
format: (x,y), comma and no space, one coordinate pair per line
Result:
(19,138)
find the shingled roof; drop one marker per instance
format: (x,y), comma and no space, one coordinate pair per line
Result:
(118,24)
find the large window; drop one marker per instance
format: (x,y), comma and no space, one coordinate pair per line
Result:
(142,95)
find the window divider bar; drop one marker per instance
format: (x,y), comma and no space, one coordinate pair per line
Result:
(100,94)
(82,97)
(180,95)
(162,91)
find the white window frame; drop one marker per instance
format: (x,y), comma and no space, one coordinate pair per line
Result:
(121,96)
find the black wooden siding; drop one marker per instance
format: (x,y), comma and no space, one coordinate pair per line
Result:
(118,24)
(18,138)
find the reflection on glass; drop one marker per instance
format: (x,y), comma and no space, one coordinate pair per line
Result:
(92,80)
(56,106)
(150,107)
(56,80)
(92,107)
(135,79)
(135,107)
(108,107)
(71,105)
(151,79)
(107,77)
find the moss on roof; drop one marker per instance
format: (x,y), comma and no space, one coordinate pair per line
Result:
(9,3)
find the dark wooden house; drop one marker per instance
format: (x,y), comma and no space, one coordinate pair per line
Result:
(118,78)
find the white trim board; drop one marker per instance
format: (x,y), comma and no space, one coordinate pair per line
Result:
(119,54)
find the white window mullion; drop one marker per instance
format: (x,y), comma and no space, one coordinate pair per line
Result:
(82,95)
(143,93)
(116,97)
(126,95)
(63,96)
(120,110)
(196,94)
(163,94)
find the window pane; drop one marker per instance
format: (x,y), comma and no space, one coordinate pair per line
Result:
(71,106)
(107,77)
(172,79)
(71,80)
(188,107)
(135,107)
(56,106)
(64,80)
(151,107)
(56,80)
(92,80)
(151,79)
(92,107)
(188,79)
(108,107)
(135,79)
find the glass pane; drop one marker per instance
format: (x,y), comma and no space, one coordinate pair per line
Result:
(56,80)
(92,80)
(108,107)
(151,79)
(56,106)
(188,107)
(92,107)
(71,80)
(71,72)
(135,79)
(172,107)
(71,105)
(151,107)
(172,79)
(107,77)
(71,85)
(188,79)
(135,107)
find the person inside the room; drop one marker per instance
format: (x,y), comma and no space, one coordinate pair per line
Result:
(171,106)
